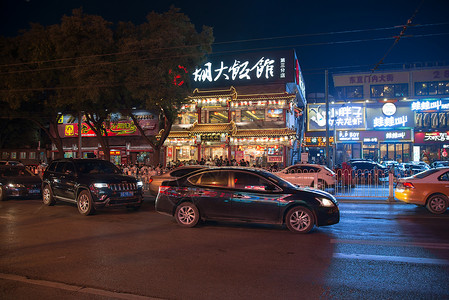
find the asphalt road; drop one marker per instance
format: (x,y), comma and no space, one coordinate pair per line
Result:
(377,251)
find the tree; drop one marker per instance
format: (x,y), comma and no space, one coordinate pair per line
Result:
(24,60)
(159,53)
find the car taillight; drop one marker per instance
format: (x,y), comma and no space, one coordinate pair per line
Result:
(409,185)
(151,180)
(163,188)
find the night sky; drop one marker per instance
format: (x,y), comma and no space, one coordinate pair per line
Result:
(313,28)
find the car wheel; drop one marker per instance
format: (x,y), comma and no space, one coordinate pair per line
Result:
(299,220)
(47,196)
(85,204)
(437,204)
(2,194)
(187,214)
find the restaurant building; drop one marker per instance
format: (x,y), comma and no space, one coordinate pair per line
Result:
(244,107)
(389,115)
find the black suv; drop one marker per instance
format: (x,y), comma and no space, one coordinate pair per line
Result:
(91,184)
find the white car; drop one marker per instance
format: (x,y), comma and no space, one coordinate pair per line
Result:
(309,175)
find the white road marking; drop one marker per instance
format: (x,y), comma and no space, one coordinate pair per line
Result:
(415,260)
(392,243)
(75,288)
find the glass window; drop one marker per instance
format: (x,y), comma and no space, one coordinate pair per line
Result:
(23,155)
(349,92)
(443,88)
(60,167)
(253,115)
(32,155)
(4,155)
(220,116)
(214,178)
(444,177)
(246,181)
(13,155)
(277,114)
(389,90)
(183,171)
(186,118)
(432,88)
(354,92)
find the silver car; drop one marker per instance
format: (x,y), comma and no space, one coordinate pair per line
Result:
(156,180)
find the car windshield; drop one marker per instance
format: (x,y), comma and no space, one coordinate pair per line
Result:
(97,167)
(425,173)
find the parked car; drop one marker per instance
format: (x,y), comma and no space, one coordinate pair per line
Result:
(409,169)
(441,163)
(369,172)
(307,174)
(245,194)
(156,180)
(18,182)
(429,188)
(91,184)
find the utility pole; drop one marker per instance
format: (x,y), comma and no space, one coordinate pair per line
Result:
(80,151)
(326,97)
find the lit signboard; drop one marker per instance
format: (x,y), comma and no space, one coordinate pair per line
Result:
(389,116)
(341,117)
(429,105)
(348,136)
(252,68)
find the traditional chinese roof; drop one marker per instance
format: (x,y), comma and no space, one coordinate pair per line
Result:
(264,132)
(213,128)
(178,134)
(267,96)
(200,94)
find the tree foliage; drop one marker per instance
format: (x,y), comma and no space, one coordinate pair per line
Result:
(87,64)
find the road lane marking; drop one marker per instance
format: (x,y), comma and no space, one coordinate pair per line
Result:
(392,243)
(414,260)
(75,288)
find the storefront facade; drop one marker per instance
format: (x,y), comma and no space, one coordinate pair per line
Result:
(245,108)
(126,144)
(385,115)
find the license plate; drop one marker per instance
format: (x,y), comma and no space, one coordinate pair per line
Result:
(126,194)
(34,191)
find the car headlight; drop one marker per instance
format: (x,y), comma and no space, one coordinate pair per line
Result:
(15,185)
(325,202)
(139,183)
(100,185)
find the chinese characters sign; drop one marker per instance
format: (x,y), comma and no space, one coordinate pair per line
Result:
(429,105)
(341,117)
(246,69)
(379,118)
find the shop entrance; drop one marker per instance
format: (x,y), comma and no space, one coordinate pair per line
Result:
(371,152)
(400,152)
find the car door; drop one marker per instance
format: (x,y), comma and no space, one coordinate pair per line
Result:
(56,181)
(255,198)
(296,175)
(212,193)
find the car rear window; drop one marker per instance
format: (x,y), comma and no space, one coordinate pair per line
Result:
(425,173)
(182,172)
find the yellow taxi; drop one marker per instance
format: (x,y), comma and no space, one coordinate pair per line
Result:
(429,188)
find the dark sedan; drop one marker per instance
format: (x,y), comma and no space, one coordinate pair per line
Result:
(248,195)
(18,182)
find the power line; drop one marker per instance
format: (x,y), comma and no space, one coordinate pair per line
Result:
(397,38)
(220,43)
(220,52)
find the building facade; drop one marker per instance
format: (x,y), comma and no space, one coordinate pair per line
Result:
(244,108)
(396,115)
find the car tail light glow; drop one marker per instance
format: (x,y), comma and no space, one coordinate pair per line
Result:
(162,189)
(150,180)
(409,185)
